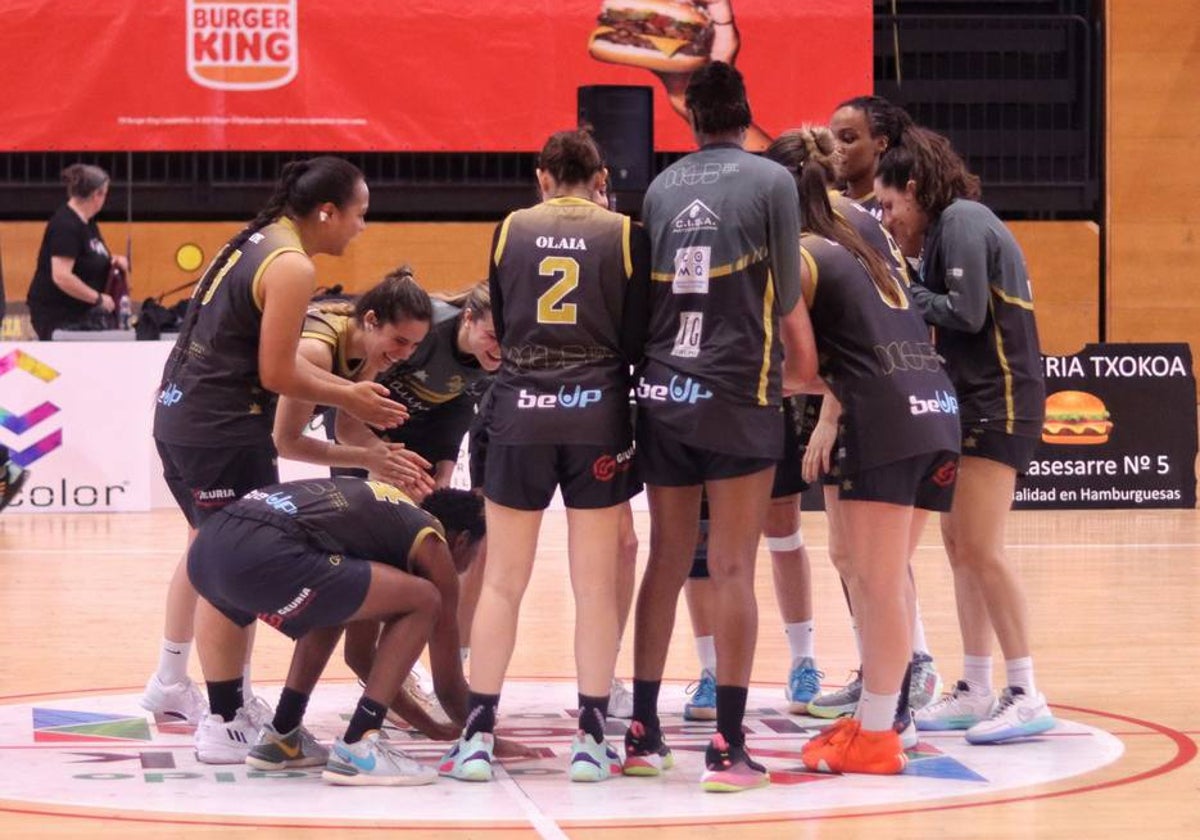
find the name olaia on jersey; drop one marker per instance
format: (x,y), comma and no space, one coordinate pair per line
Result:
(561,243)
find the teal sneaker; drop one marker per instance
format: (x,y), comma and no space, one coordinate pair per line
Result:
(592,760)
(703,705)
(804,683)
(297,748)
(470,760)
(374,761)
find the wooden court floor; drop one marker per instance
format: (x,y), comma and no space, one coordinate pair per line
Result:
(1115,603)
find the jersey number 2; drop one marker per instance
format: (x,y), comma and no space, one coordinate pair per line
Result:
(550,306)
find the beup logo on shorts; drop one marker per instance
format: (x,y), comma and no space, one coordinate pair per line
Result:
(281,502)
(242,44)
(578,398)
(19,424)
(170,395)
(941,403)
(678,390)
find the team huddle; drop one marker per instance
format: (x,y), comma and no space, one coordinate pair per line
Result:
(840,309)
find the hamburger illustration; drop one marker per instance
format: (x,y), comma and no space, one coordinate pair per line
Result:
(670,37)
(1075,417)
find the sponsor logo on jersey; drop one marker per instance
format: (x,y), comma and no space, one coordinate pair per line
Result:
(578,397)
(680,389)
(942,402)
(696,216)
(170,395)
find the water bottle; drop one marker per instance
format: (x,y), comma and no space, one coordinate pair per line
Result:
(124,312)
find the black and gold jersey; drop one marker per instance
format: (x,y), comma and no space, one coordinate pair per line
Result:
(877,357)
(211,393)
(368,520)
(974,288)
(566,279)
(871,230)
(333,330)
(439,385)
(870,203)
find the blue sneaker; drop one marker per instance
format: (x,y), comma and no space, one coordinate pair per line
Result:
(373,761)
(592,760)
(470,760)
(804,684)
(703,705)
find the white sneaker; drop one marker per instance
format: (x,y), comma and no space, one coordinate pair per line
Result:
(961,709)
(178,705)
(620,701)
(258,711)
(373,761)
(225,742)
(1015,715)
(427,700)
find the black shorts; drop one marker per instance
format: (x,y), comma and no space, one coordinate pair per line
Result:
(524,476)
(789,472)
(667,462)
(477,447)
(204,479)
(924,481)
(1014,450)
(250,569)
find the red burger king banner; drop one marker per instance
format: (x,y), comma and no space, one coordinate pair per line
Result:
(379,75)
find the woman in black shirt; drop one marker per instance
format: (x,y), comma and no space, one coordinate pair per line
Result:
(73,262)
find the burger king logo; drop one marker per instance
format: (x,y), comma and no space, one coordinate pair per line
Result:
(242,44)
(1076,418)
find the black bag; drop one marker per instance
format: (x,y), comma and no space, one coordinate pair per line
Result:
(156,319)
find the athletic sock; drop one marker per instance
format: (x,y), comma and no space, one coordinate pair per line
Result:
(225,698)
(877,711)
(706,650)
(731,710)
(800,639)
(368,715)
(290,711)
(173,661)
(1019,673)
(481,714)
(919,645)
(592,713)
(645,703)
(977,672)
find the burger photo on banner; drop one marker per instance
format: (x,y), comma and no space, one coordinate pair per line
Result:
(1076,418)
(672,39)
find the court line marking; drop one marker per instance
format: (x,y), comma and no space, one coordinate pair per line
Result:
(542,823)
(816,546)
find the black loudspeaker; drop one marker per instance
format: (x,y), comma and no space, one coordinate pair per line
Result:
(621,118)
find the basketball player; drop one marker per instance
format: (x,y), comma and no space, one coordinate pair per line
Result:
(568,281)
(864,128)
(357,341)
(308,557)
(725,334)
(974,288)
(899,454)
(236,351)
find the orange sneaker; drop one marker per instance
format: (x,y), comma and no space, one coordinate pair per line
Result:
(848,749)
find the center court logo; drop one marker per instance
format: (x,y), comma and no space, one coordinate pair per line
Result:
(242,44)
(19,424)
(102,755)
